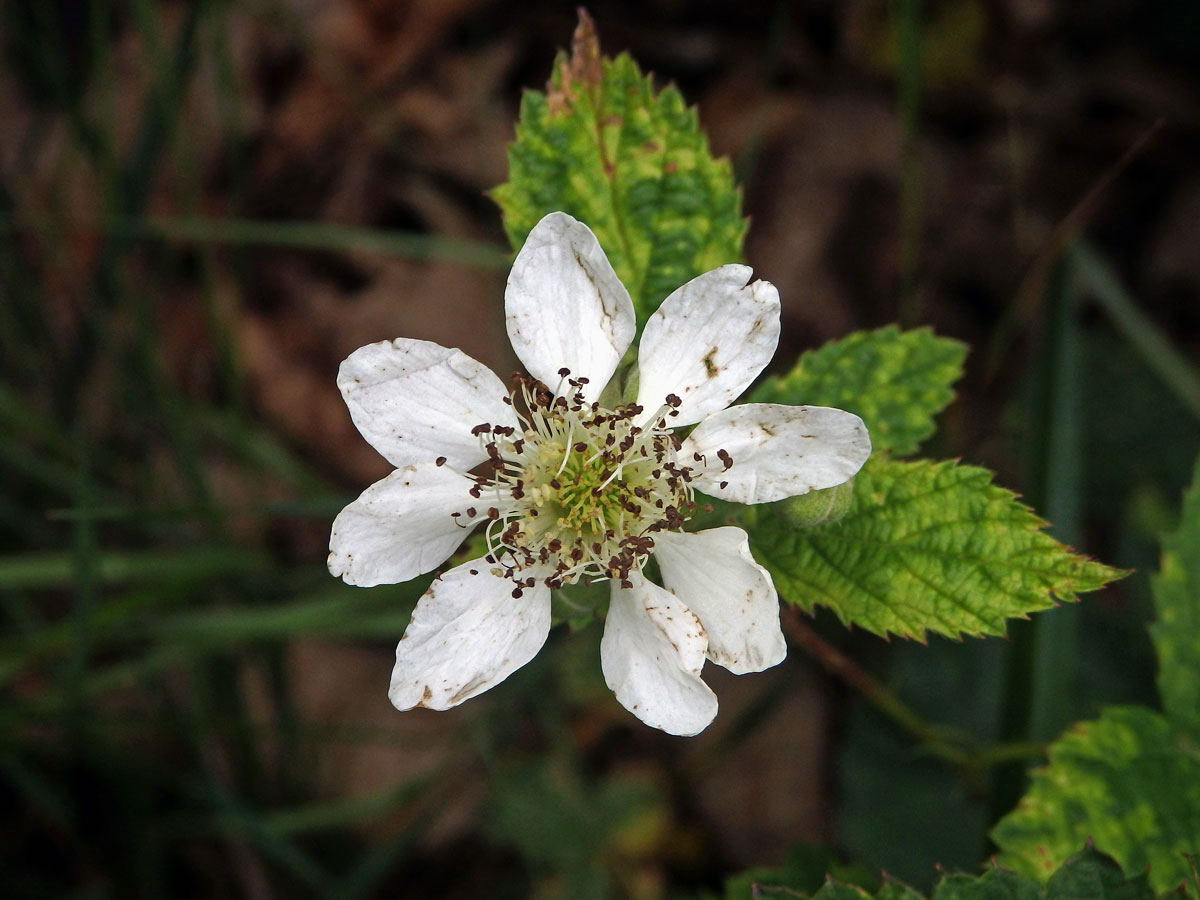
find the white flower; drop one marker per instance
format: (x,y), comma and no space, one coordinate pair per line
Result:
(570,488)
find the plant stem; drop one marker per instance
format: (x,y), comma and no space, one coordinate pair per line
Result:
(839,664)
(951,746)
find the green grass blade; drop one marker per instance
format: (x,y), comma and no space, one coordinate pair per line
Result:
(31,571)
(1104,286)
(327,236)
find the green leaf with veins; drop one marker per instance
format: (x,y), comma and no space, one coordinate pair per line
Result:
(925,546)
(1131,779)
(630,163)
(1126,780)
(1176,632)
(1087,875)
(896,381)
(994,884)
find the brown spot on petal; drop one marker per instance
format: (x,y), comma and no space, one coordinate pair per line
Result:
(710,367)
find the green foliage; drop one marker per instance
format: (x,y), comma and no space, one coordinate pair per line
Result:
(560,824)
(1088,875)
(925,547)
(804,867)
(1177,602)
(155,645)
(835,890)
(633,165)
(994,884)
(1126,780)
(1131,779)
(897,381)
(906,810)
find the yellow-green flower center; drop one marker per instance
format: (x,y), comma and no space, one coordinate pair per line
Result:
(581,491)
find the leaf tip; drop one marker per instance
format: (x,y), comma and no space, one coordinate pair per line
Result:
(582,69)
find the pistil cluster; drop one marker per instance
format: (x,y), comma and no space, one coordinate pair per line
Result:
(581,490)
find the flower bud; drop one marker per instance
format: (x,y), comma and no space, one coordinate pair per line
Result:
(816,507)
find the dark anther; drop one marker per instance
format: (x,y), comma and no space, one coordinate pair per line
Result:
(440,461)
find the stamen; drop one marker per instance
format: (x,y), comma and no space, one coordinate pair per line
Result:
(567,445)
(579,492)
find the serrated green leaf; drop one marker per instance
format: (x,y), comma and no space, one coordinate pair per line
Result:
(1086,875)
(837,890)
(896,381)
(1176,632)
(1126,780)
(1092,875)
(632,164)
(994,884)
(925,547)
(805,868)
(896,890)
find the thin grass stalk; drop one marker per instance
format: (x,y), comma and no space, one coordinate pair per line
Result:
(1160,355)
(1042,654)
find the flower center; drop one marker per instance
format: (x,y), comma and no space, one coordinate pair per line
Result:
(581,490)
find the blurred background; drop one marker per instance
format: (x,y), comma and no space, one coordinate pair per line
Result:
(205,206)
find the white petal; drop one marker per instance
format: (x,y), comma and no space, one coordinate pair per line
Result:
(565,306)
(467,634)
(651,653)
(777,451)
(401,526)
(415,401)
(707,342)
(713,573)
